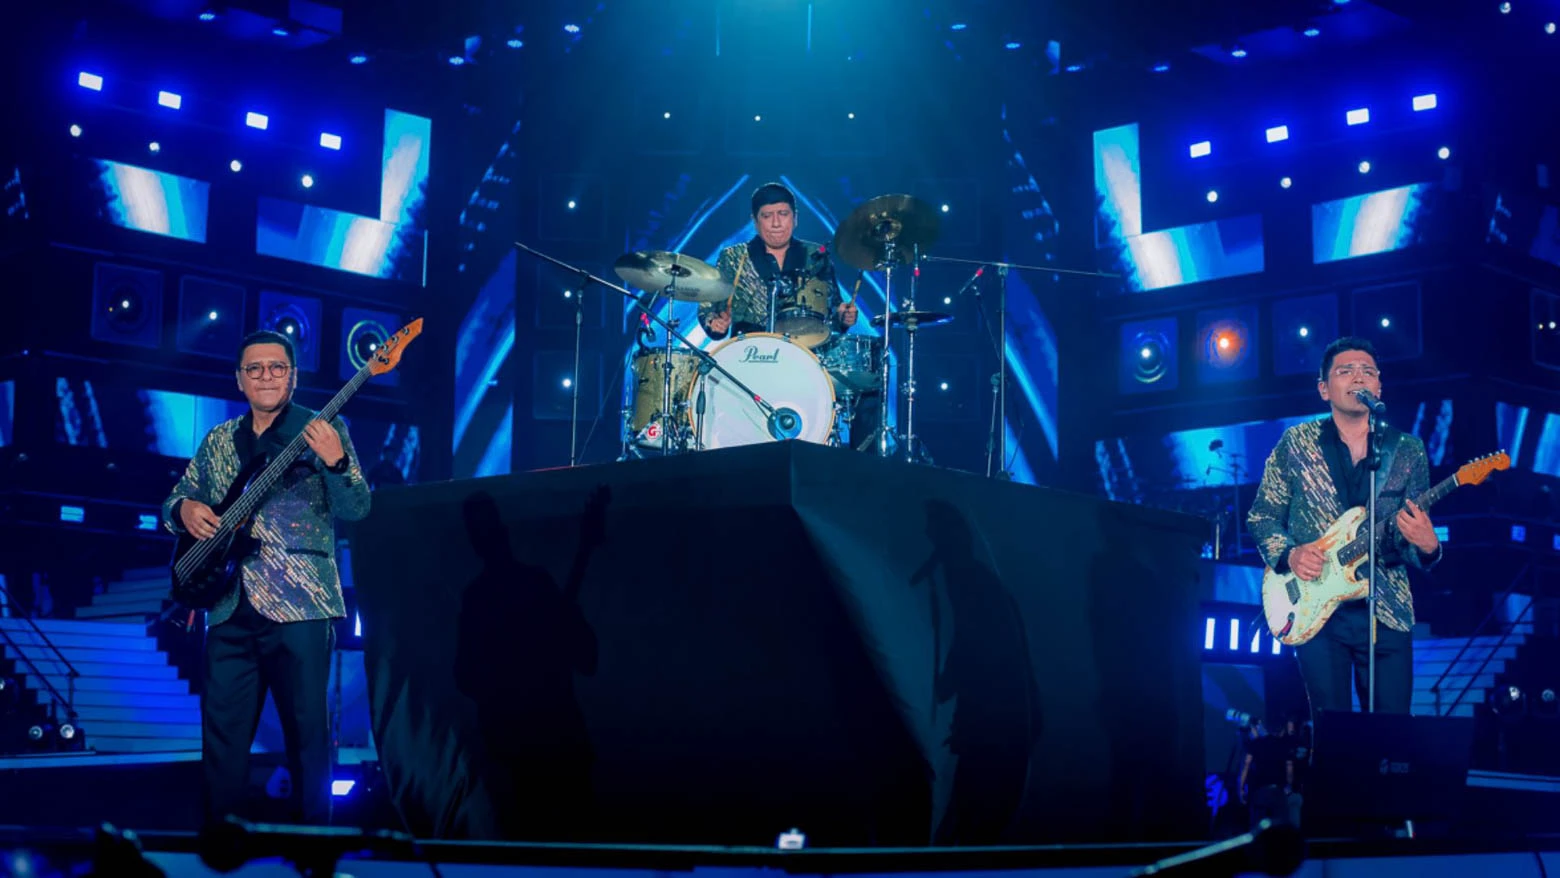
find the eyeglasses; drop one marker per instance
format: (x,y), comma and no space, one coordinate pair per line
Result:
(256,371)
(1349,370)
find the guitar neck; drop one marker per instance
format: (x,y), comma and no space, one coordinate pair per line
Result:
(252,498)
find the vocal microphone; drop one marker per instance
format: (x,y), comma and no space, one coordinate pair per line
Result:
(971,282)
(1376,406)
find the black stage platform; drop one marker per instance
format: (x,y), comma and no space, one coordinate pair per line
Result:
(782,635)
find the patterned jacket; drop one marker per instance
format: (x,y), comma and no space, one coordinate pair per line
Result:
(293,576)
(1298,500)
(749,302)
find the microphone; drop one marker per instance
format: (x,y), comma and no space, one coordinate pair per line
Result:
(1376,406)
(971,282)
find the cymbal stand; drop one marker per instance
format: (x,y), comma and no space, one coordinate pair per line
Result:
(885,431)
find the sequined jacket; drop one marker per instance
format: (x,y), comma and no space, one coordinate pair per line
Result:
(749,302)
(1297,501)
(293,576)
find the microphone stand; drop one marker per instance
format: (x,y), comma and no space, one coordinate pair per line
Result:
(574,414)
(1372,464)
(779,420)
(999,421)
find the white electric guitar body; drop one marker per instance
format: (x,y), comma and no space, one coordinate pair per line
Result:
(1297,609)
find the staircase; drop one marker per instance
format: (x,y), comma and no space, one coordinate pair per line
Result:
(138,597)
(128,698)
(1433,655)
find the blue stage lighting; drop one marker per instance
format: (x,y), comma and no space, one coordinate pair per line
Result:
(1358,117)
(1200,149)
(1424,102)
(946,208)
(89,80)
(358,58)
(342,787)
(1213,195)
(146,521)
(307,181)
(208,15)
(1074,68)
(257,120)
(75,131)
(1518,533)
(1364,167)
(169,99)
(154,147)
(1237,52)
(280,31)
(330,141)
(1013,45)
(1210,629)
(1312,31)
(958,25)
(73,514)
(1161,68)
(457,60)
(516,43)
(1505,9)
(1285,182)
(235,166)
(1305,332)
(1443,153)
(1277,133)
(571,28)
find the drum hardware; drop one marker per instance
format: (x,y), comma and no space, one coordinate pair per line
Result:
(883,233)
(689,280)
(996,440)
(786,373)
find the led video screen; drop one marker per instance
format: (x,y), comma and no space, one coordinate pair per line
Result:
(152,201)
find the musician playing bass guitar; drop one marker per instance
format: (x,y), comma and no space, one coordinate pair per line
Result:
(273,629)
(1313,476)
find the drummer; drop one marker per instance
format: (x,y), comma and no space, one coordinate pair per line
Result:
(752,268)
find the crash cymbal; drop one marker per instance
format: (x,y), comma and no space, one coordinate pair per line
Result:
(905,220)
(654,271)
(921,318)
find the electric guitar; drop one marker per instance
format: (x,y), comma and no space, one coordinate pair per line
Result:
(205,570)
(1296,609)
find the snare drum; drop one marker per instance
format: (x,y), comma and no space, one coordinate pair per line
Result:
(781,372)
(805,314)
(851,360)
(647,385)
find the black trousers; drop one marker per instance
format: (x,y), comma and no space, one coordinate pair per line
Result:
(246,656)
(1341,651)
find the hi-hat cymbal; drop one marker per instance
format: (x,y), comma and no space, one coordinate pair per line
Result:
(903,220)
(654,271)
(921,318)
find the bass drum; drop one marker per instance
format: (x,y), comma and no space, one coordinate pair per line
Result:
(783,373)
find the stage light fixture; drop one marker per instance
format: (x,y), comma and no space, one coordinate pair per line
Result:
(850,115)
(1305,332)
(170,100)
(567,383)
(1312,31)
(1519,533)
(958,25)
(75,131)
(758,118)
(330,141)
(1278,133)
(208,15)
(307,181)
(281,31)
(1200,149)
(1213,196)
(1074,68)
(1508,701)
(515,43)
(1546,705)
(154,147)
(89,81)
(235,166)
(1443,153)
(1358,116)
(1386,323)
(1161,68)
(1013,45)
(1238,52)
(946,208)
(1285,182)
(342,787)
(1148,356)
(1549,27)
(572,204)
(457,60)
(257,120)
(571,28)
(1505,8)
(1424,102)
(358,58)
(1364,167)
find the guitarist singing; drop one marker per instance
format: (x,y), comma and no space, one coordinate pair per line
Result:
(1314,475)
(273,631)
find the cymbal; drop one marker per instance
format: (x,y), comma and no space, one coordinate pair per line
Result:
(905,220)
(921,318)
(654,271)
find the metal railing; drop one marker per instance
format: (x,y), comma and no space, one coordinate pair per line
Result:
(1490,656)
(68,700)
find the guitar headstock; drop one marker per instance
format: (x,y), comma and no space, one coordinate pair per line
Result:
(388,356)
(1475,471)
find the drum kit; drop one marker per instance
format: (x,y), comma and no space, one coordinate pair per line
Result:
(801,379)
(812,375)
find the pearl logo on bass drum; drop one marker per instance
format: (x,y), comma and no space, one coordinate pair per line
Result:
(751,355)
